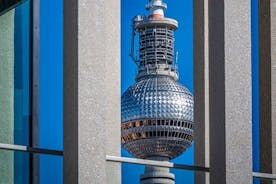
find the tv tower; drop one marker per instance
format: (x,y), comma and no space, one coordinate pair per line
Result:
(157,111)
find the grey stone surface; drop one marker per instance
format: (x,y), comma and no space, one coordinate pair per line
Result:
(96,91)
(201,88)
(7,95)
(230,91)
(238,91)
(273,82)
(207,109)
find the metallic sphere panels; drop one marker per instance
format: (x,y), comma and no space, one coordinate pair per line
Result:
(157,118)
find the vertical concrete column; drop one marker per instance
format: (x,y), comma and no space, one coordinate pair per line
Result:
(201,88)
(273,83)
(7,95)
(230,91)
(267,87)
(91,91)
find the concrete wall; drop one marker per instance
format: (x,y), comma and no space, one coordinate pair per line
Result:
(273,82)
(91,91)
(222,41)
(230,91)
(7,95)
(201,88)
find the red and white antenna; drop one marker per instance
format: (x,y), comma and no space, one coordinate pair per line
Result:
(156,9)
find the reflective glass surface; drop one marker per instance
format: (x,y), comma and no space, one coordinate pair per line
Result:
(51,89)
(15,75)
(256,180)
(51,75)
(14,167)
(51,169)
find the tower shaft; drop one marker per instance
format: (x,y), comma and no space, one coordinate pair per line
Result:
(157,175)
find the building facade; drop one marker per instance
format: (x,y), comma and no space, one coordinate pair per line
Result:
(227,42)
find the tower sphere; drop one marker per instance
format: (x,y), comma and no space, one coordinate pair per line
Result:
(157,118)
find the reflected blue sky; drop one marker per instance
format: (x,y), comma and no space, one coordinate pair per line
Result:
(51,89)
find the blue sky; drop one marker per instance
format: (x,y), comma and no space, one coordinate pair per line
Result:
(51,89)
(182,11)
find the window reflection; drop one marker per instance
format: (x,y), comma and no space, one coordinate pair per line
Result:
(14,167)
(15,75)
(15,92)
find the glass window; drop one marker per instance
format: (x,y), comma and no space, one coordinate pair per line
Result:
(14,91)
(14,167)
(15,75)
(51,169)
(51,75)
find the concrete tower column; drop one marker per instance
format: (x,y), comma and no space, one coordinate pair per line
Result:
(154,174)
(230,91)
(92,116)
(201,89)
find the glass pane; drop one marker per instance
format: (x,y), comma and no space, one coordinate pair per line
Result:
(15,75)
(255,88)
(51,74)
(14,167)
(256,181)
(51,169)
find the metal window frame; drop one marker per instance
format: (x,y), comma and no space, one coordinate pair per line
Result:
(13,147)
(35,58)
(11,7)
(166,164)
(265,176)
(155,163)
